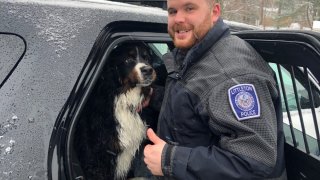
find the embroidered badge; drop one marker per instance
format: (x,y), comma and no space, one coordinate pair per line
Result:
(244,101)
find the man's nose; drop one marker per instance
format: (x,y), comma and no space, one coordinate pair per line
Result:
(179,17)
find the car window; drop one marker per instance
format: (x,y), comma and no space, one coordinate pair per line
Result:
(302,102)
(11,50)
(159,49)
(162,48)
(302,91)
(99,106)
(101,66)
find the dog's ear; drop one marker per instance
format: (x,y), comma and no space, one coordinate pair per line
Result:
(109,80)
(116,76)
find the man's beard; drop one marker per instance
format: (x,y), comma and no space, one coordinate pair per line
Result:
(197,34)
(183,44)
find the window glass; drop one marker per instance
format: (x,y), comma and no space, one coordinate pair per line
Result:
(158,50)
(288,85)
(11,48)
(302,86)
(162,48)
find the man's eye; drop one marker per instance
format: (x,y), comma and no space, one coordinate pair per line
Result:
(171,11)
(189,9)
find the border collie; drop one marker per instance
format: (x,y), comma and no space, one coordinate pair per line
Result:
(110,129)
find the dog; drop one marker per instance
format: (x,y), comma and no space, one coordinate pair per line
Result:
(110,129)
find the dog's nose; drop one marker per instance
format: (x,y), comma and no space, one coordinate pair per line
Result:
(146,70)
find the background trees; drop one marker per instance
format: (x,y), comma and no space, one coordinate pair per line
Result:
(272,13)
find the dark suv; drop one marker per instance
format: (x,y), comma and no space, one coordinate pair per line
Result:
(52,54)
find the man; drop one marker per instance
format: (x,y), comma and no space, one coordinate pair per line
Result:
(221,113)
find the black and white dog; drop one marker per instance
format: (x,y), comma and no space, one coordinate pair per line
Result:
(111,130)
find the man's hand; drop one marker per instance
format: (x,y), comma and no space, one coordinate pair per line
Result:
(152,153)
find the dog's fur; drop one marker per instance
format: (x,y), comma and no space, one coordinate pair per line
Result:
(110,129)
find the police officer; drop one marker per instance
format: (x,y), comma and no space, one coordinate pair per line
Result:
(221,115)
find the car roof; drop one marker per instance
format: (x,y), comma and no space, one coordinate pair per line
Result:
(237,26)
(115,7)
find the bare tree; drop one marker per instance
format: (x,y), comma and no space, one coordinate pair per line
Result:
(274,13)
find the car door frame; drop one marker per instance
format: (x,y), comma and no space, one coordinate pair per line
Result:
(60,146)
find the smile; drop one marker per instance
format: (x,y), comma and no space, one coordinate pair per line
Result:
(183,31)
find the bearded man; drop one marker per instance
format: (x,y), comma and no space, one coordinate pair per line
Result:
(221,115)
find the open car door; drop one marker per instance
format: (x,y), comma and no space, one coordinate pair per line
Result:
(295,58)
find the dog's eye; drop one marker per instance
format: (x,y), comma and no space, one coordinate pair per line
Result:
(146,57)
(132,53)
(128,61)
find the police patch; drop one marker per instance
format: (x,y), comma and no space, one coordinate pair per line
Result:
(244,101)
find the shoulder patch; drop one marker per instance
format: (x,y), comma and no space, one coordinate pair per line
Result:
(244,101)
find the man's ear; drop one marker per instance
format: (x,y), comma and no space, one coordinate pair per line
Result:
(216,12)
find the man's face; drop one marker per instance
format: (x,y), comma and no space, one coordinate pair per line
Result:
(190,20)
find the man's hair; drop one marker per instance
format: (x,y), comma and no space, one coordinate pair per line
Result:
(211,3)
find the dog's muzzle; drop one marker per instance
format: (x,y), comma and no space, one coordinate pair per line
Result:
(148,76)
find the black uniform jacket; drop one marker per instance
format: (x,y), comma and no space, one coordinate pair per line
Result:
(221,114)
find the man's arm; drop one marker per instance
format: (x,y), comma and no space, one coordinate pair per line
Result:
(247,148)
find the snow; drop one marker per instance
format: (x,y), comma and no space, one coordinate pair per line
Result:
(316,25)
(98,4)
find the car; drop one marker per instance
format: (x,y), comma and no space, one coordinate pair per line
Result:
(54,52)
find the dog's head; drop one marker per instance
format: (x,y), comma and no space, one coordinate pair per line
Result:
(132,63)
